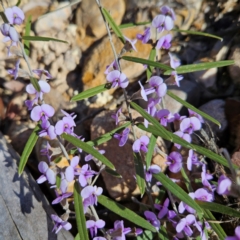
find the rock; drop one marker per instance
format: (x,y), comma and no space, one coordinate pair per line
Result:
(90,22)
(234,70)
(58,47)
(122,158)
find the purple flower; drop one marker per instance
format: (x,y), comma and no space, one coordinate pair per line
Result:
(192,160)
(177,78)
(160,87)
(152,218)
(141,144)
(202,194)
(94,225)
(99,238)
(145,92)
(45,152)
(42,112)
(151,109)
(117,79)
(174,62)
(182,206)
(163,209)
(145,36)
(47,130)
(84,174)
(73,169)
(14,72)
(189,125)
(164,42)
(122,137)
(184,224)
(164,116)
(161,22)
(174,161)
(153,169)
(131,43)
(44,88)
(118,232)
(224,185)
(237,234)
(14,15)
(10,33)
(41,72)
(193,114)
(184,136)
(64,194)
(168,11)
(65,125)
(90,194)
(47,174)
(205,175)
(116,115)
(59,224)
(112,66)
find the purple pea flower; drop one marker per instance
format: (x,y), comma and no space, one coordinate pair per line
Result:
(152,218)
(131,43)
(84,174)
(73,169)
(41,72)
(145,36)
(184,136)
(14,15)
(160,87)
(177,78)
(182,206)
(237,234)
(192,160)
(47,130)
(161,22)
(205,175)
(141,144)
(64,194)
(44,88)
(174,161)
(42,112)
(164,42)
(184,224)
(145,92)
(47,174)
(122,137)
(153,169)
(189,125)
(117,79)
(151,109)
(94,225)
(202,194)
(59,224)
(90,194)
(99,238)
(118,232)
(46,151)
(65,125)
(163,209)
(10,33)
(193,114)
(116,116)
(112,66)
(224,185)
(164,116)
(14,72)
(174,63)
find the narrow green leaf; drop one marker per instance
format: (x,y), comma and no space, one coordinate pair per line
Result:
(18,3)
(35,84)
(197,33)
(187,105)
(139,172)
(87,148)
(58,180)
(152,56)
(215,226)
(148,62)
(200,66)
(80,217)
(43,39)
(113,25)
(128,25)
(219,208)
(147,235)
(77,237)
(91,92)
(108,136)
(186,180)
(178,192)
(113,173)
(4,18)
(151,146)
(125,212)
(163,233)
(28,149)
(27,33)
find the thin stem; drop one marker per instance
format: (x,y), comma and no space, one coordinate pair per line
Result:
(96,177)
(26,59)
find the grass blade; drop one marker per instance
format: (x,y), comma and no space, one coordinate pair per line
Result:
(43,39)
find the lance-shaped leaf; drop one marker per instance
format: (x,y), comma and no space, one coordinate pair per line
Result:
(215,226)
(146,235)
(219,208)
(87,148)
(151,146)
(163,233)
(27,32)
(197,33)
(113,173)
(113,25)
(28,149)
(107,136)
(139,172)
(178,192)
(200,66)
(58,180)
(42,39)
(152,56)
(4,18)
(35,84)
(124,212)
(79,213)
(91,92)
(187,105)
(128,25)
(148,62)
